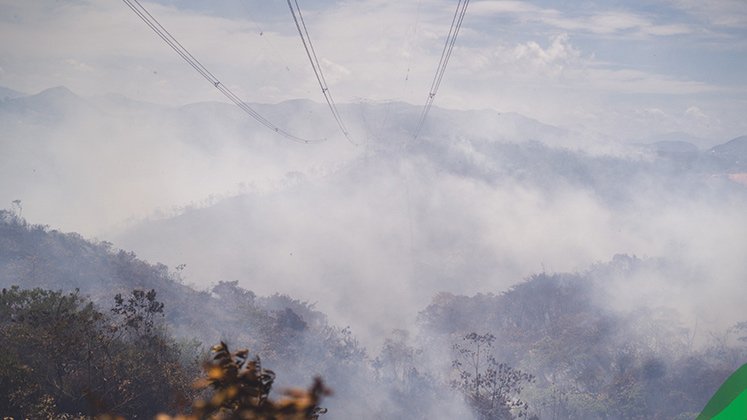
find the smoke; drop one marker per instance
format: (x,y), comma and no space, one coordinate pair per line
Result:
(371,233)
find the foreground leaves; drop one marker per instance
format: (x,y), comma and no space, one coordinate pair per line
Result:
(241,389)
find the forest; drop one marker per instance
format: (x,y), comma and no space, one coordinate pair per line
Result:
(89,330)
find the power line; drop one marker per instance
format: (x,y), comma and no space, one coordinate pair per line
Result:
(456,24)
(263,34)
(172,42)
(311,53)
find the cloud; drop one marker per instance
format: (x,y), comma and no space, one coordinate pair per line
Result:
(500,7)
(560,64)
(334,72)
(604,22)
(668,30)
(80,66)
(695,112)
(635,81)
(724,13)
(653,112)
(558,54)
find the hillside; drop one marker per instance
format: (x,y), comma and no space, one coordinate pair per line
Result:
(732,154)
(589,361)
(371,233)
(287,332)
(172,157)
(575,333)
(444,216)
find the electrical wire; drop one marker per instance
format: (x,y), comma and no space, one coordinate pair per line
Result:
(263,34)
(311,53)
(172,42)
(456,24)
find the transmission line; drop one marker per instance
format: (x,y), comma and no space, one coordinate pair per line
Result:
(456,24)
(172,42)
(311,53)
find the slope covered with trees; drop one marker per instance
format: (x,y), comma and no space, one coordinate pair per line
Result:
(92,329)
(589,360)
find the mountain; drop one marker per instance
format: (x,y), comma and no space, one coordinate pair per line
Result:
(171,157)
(291,335)
(51,103)
(571,334)
(459,217)
(480,199)
(699,142)
(732,155)
(563,329)
(6,93)
(674,148)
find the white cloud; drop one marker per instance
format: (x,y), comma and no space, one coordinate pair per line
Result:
(729,13)
(559,64)
(78,65)
(555,57)
(606,22)
(496,7)
(653,112)
(636,81)
(667,30)
(695,112)
(334,72)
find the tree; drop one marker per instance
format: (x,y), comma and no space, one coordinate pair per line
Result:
(397,358)
(62,355)
(241,391)
(146,364)
(139,314)
(51,342)
(490,387)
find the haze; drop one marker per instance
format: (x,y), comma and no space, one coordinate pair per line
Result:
(563,135)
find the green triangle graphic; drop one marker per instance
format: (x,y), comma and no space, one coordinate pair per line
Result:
(730,401)
(736,410)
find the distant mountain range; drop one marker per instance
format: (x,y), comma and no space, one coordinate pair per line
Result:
(732,154)
(91,163)
(101,150)
(6,93)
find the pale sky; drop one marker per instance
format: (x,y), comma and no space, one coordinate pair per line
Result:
(631,70)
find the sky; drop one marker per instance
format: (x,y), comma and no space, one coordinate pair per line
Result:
(631,70)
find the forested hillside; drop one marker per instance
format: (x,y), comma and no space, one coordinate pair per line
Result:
(552,346)
(589,360)
(278,327)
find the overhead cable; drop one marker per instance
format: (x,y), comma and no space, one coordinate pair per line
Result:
(311,53)
(172,42)
(456,24)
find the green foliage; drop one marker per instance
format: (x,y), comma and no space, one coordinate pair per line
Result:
(64,358)
(49,338)
(63,355)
